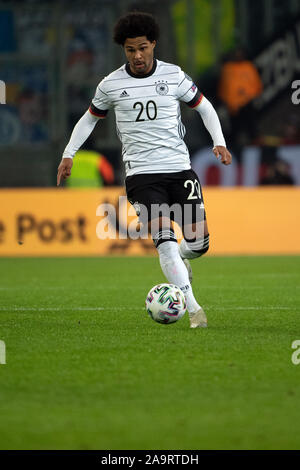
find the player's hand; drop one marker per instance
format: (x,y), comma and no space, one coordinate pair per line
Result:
(64,169)
(220,151)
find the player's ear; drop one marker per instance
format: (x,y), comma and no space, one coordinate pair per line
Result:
(153,43)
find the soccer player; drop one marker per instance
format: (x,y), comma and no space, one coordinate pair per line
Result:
(145,94)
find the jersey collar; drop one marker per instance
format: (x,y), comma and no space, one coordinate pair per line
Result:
(127,68)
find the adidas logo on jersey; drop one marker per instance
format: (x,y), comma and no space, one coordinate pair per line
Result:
(124,94)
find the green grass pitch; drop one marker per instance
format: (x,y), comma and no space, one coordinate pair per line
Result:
(86,367)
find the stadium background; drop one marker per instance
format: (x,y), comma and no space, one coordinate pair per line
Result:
(52,58)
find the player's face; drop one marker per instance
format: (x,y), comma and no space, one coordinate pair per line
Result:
(139,52)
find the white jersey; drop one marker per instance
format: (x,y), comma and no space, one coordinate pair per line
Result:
(148,117)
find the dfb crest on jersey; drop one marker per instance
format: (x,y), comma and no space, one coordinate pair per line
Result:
(161,88)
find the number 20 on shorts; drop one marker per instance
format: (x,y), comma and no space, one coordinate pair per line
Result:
(195,191)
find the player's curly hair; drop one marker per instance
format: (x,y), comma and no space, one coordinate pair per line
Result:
(135,24)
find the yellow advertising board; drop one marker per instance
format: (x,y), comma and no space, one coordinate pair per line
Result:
(68,222)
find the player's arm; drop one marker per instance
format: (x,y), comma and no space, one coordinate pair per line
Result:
(188,92)
(81,132)
(212,123)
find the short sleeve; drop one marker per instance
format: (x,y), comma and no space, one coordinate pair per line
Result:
(187,91)
(100,104)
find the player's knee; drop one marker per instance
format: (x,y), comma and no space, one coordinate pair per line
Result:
(198,247)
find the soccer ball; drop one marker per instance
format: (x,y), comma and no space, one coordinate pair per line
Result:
(165,303)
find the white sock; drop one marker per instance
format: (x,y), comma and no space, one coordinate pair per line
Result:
(184,250)
(176,273)
(194,249)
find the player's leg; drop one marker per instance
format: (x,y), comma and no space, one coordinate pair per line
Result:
(149,196)
(187,192)
(194,245)
(142,192)
(196,240)
(170,260)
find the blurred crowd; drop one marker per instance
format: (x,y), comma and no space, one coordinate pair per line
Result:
(42,108)
(238,85)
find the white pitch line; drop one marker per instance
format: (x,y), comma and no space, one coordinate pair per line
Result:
(96,309)
(62,309)
(40,287)
(251,308)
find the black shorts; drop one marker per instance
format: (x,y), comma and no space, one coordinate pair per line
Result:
(181,192)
